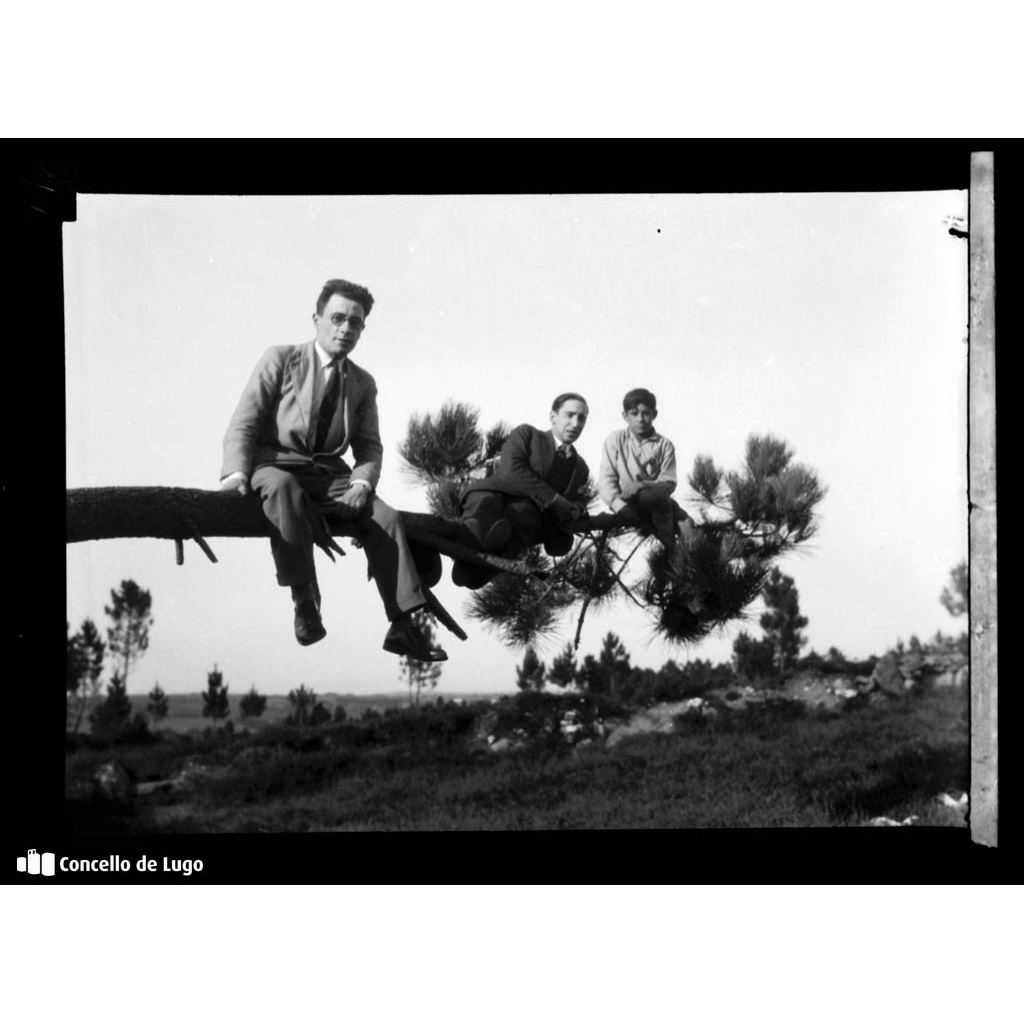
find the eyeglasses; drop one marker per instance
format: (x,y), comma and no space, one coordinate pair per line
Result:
(357,322)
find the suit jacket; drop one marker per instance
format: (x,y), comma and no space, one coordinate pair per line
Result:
(275,422)
(526,458)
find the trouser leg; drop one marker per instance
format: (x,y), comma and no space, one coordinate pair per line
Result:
(529,522)
(486,507)
(285,505)
(654,500)
(390,560)
(656,504)
(536,527)
(380,531)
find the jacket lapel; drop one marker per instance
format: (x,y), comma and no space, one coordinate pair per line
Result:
(547,452)
(303,380)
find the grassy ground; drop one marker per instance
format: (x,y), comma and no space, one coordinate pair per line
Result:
(768,771)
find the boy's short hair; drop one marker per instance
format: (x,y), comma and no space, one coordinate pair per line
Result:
(639,396)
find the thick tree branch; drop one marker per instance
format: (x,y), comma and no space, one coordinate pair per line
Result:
(180,513)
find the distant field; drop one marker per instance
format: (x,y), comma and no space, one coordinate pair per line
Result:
(185,710)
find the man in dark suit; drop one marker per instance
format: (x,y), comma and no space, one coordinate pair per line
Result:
(303,408)
(533,494)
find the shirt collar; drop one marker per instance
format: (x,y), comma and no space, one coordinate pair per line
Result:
(325,359)
(630,436)
(558,444)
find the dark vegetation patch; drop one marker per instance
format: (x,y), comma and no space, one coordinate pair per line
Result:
(432,769)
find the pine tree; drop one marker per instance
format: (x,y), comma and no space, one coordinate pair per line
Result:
(307,709)
(253,704)
(530,675)
(608,671)
(76,661)
(563,668)
(614,663)
(128,635)
(836,657)
(955,596)
(110,721)
(955,599)
(320,715)
(782,621)
(85,666)
(215,700)
(157,706)
(753,658)
(419,675)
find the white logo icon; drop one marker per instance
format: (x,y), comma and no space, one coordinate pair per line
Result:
(37,863)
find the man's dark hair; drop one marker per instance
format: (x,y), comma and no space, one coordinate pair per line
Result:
(346,289)
(639,396)
(568,396)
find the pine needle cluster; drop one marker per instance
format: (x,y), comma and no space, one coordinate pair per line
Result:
(524,610)
(772,501)
(702,586)
(446,450)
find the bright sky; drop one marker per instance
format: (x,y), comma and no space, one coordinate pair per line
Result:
(836,321)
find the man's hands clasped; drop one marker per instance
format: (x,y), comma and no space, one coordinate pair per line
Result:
(565,511)
(353,501)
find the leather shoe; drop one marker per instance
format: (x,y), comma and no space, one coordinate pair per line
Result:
(428,564)
(472,577)
(558,544)
(664,527)
(308,626)
(405,640)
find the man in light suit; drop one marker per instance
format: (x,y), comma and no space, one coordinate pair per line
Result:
(532,495)
(303,408)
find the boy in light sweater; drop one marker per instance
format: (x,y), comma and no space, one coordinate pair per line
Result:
(638,468)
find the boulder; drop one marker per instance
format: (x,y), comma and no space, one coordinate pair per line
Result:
(658,718)
(577,748)
(485,725)
(149,788)
(913,666)
(250,757)
(934,669)
(831,693)
(113,782)
(191,774)
(887,676)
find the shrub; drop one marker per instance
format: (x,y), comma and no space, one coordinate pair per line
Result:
(114,722)
(253,704)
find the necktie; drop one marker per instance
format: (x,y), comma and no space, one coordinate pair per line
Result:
(328,407)
(563,451)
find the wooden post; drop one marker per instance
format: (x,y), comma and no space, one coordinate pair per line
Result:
(981,401)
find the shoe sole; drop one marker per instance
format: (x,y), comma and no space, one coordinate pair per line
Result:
(403,652)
